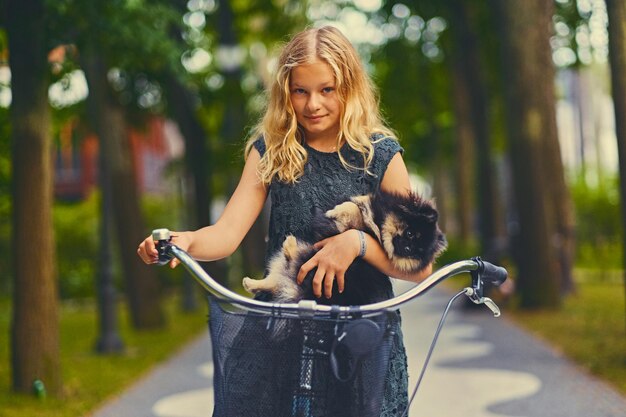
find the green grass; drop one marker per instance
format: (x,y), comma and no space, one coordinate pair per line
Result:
(90,379)
(589,329)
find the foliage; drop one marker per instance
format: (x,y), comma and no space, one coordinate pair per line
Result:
(457,250)
(415,95)
(598,224)
(132,34)
(76,231)
(89,378)
(580,31)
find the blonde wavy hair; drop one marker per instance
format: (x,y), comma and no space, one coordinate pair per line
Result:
(285,155)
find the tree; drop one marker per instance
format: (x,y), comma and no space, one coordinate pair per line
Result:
(124,36)
(35,323)
(108,120)
(616,11)
(183,106)
(545,223)
(142,286)
(473,121)
(233,124)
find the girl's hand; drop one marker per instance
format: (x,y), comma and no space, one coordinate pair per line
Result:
(148,253)
(334,255)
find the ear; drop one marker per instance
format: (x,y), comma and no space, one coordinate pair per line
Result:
(430,214)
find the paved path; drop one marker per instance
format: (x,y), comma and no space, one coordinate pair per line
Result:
(482,367)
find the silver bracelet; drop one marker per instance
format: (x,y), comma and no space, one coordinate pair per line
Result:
(363,244)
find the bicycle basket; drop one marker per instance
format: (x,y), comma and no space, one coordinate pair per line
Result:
(272,366)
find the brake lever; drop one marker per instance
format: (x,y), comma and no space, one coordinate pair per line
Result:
(471,294)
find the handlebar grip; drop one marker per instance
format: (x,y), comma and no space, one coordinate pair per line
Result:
(161,234)
(493,274)
(162,238)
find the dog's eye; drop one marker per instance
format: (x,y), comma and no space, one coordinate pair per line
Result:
(409,234)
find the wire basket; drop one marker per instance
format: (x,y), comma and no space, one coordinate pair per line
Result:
(273,366)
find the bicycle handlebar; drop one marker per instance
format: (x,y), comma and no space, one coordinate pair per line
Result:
(490,273)
(481,272)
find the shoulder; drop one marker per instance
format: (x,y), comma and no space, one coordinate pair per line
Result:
(386,144)
(385,148)
(259,145)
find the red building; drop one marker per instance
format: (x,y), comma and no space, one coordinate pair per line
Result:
(76,158)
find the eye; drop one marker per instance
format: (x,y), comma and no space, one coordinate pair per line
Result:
(327,90)
(299,91)
(409,234)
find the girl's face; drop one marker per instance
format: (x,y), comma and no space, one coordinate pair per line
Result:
(315,100)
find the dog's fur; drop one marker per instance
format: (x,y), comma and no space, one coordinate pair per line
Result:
(405,225)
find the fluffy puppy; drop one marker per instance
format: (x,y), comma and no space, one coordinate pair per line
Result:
(405,225)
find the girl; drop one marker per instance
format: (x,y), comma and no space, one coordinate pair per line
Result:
(321,141)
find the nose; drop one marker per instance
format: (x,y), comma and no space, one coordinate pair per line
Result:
(313,103)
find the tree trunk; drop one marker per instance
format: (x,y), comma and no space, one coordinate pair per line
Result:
(469,73)
(464,175)
(107,117)
(198,165)
(35,322)
(232,129)
(559,199)
(529,84)
(197,154)
(199,172)
(616,9)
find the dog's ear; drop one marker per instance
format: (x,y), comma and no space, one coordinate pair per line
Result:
(430,214)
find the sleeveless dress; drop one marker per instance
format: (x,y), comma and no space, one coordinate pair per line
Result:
(324,184)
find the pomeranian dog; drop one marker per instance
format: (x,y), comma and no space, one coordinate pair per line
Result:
(405,225)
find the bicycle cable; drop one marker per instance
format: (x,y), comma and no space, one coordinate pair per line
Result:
(431,350)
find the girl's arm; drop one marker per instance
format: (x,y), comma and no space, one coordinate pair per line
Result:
(222,238)
(336,253)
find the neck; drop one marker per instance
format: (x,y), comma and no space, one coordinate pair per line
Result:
(323,143)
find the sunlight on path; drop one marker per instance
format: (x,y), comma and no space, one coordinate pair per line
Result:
(455,391)
(196,403)
(469,392)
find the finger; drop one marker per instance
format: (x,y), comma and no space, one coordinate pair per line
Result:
(143,259)
(143,255)
(305,269)
(328,285)
(150,247)
(319,245)
(340,282)
(174,263)
(317,282)
(146,255)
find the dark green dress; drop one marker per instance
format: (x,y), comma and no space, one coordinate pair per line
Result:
(324,184)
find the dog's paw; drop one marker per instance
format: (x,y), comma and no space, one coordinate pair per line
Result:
(346,215)
(250,285)
(290,247)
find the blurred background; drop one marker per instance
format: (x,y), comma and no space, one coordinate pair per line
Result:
(121,116)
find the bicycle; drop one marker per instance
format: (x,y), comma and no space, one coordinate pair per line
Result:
(333,358)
